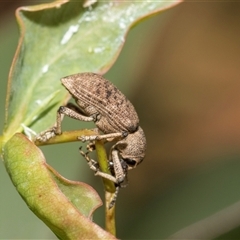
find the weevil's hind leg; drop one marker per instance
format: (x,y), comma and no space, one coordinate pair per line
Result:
(72,112)
(46,135)
(69,110)
(75,108)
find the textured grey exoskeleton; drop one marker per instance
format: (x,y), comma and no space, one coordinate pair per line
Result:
(100,101)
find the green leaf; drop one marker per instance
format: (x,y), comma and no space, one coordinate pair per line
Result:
(81,195)
(59,39)
(65,207)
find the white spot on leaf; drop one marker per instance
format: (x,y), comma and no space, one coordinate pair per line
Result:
(45,68)
(98,49)
(68,35)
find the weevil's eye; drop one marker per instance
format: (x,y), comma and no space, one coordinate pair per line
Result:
(130,162)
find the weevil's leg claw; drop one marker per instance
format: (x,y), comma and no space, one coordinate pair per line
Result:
(46,135)
(91,146)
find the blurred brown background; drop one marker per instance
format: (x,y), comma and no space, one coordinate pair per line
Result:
(188,90)
(181,71)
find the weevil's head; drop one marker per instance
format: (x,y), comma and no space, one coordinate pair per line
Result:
(132,148)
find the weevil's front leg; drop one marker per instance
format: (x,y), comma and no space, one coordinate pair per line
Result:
(119,167)
(119,170)
(95,167)
(107,137)
(91,163)
(106,176)
(114,198)
(69,110)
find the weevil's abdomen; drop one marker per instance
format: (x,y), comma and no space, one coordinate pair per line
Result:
(116,111)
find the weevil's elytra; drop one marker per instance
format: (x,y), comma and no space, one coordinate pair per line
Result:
(98,100)
(104,97)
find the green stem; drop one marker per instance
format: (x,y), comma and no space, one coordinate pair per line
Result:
(68,136)
(109,186)
(1,144)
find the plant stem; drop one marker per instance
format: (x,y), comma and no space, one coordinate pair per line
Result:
(110,222)
(68,136)
(109,186)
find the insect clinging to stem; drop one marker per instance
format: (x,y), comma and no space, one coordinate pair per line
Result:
(98,100)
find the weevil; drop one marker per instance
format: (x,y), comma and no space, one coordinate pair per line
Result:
(98,100)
